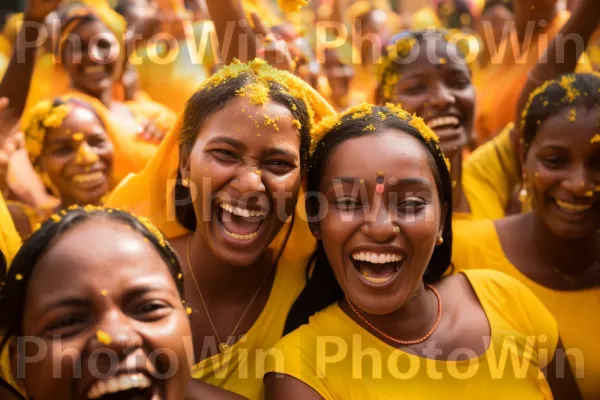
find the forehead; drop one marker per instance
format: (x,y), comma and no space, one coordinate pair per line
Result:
(79,119)
(559,130)
(97,254)
(393,152)
(255,125)
(426,54)
(87,30)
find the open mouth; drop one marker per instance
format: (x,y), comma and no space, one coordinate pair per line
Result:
(124,387)
(445,127)
(377,268)
(89,180)
(240,224)
(572,208)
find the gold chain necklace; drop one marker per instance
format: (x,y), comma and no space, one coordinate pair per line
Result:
(223,346)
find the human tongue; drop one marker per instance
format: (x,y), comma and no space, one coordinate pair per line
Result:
(377,270)
(239,225)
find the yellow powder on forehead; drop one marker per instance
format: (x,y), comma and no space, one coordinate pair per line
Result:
(103,337)
(272,122)
(595,139)
(297,123)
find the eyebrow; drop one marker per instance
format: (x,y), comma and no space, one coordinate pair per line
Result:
(280,151)
(70,301)
(230,141)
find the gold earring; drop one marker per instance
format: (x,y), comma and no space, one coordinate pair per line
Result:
(185,182)
(524,193)
(396,229)
(440,240)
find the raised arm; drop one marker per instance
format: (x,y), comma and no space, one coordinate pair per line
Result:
(564,51)
(236,37)
(16,81)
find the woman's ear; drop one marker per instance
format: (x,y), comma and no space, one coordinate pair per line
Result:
(443,218)
(312,213)
(184,164)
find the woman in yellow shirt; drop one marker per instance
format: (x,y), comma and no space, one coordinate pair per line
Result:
(222,187)
(389,324)
(554,248)
(425,73)
(123,298)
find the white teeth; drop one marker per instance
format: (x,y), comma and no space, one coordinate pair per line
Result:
(118,384)
(241,212)
(94,69)
(570,207)
(443,121)
(83,178)
(377,258)
(240,237)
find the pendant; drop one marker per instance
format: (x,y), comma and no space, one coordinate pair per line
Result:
(223,347)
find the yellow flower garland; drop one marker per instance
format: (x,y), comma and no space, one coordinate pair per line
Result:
(37,120)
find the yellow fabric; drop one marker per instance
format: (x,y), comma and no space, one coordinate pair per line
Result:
(5,54)
(490,175)
(512,310)
(499,84)
(130,153)
(173,83)
(10,241)
(575,311)
(241,368)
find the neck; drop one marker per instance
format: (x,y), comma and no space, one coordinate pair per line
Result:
(459,201)
(525,15)
(410,322)
(570,256)
(105,96)
(220,280)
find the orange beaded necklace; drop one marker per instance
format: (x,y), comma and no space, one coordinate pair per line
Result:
(404,342)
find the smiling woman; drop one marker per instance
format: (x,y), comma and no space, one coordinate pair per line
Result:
(554,248)
(426,73)
(126,330)
(377,288)
(224,187)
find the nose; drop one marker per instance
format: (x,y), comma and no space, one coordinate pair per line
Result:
(379,224)
(441,97)
(115,334)
(85,155)
(579,181)
(248,180)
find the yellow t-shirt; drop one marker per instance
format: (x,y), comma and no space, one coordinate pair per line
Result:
(242,367)
(341,360)
(490,175)
(577,312)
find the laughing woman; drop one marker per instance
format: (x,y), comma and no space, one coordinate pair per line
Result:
(555,248)
(113,325)
(222,186)
(383,222)
(437,87)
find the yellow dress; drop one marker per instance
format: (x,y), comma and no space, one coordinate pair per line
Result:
(341,360)
(499,85)
(242,367)
(173,83)
(10,241)
(575,311)
(490,175)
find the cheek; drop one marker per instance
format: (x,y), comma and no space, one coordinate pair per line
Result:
(466,101)
(411,103)
(336,229)
(171,342)
(49,367)
(54,165)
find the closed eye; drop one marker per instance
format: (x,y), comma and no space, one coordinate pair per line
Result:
(224,155)
(67,325)
(151,310)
